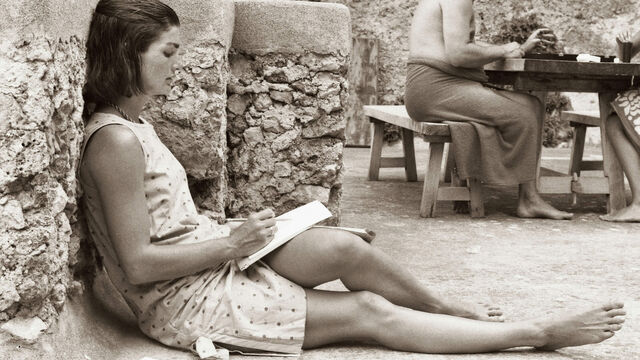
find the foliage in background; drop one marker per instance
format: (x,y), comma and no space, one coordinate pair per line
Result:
(518,29)
(556,131)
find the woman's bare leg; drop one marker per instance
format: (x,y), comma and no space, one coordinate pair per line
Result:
(630,160)
(363,316)
(318,256)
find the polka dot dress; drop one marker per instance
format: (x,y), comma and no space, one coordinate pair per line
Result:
(627,106)
(255,309)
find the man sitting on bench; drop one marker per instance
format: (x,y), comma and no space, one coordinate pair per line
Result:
(445,83)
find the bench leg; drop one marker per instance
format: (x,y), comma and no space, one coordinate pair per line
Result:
(449,167)
(475,193)
(431,180)
(459,206)
(409,155)
(376,149)
(577,150)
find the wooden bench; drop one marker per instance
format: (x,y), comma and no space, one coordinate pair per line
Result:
(437,134)
(580,121)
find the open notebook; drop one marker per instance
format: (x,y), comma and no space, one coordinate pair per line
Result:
(289,225)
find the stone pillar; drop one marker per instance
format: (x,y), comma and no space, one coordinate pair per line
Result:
(41,77)
(285,110)
(191,120)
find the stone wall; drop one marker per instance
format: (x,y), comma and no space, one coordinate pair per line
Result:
(286,105)
(41,77)
(286,84)
(191,120)
(286,131)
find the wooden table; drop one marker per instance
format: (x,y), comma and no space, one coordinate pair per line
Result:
(543,73)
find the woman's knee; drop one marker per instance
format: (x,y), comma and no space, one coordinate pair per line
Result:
(346,248)
(374,307)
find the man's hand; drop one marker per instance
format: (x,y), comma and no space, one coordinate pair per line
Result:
(543,35)
(513,50)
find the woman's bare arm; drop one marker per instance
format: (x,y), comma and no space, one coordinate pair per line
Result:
(635,48)
(116,165)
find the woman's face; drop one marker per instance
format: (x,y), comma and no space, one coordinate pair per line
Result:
(160,61)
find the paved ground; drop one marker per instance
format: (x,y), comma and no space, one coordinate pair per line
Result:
(528,267)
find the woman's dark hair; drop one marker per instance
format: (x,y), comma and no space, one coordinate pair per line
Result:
(120,31)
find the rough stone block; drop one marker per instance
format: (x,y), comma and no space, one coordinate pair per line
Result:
(289,27)
(27,329)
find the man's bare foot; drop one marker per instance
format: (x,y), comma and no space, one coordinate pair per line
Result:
(538,208)
(482,312)
(589,327)
(629,214)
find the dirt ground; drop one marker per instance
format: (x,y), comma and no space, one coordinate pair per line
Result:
(528,267)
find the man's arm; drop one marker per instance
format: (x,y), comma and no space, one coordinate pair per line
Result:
(459,48)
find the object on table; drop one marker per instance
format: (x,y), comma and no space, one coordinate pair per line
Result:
(587,58)
(625,50)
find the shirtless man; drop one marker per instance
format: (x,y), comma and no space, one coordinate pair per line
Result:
(445,81)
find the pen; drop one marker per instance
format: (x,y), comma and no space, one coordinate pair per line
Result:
(245,219)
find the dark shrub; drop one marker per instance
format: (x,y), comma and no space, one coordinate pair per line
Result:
(518,29)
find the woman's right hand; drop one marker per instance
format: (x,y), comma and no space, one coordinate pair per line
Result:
(624,39)
(624,36)
(253,234)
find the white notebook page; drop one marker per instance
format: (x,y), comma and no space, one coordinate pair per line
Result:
(289,225)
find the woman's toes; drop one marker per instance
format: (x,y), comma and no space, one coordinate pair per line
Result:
(616,312)
(616,320)
(614,327)
(612,306)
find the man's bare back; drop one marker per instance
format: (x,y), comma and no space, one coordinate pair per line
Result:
(445,29)
(426,36)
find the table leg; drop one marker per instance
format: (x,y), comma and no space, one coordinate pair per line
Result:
(542,96)
(612,168)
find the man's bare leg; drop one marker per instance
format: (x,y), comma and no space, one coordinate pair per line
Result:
(318,256)
(630,161)
(363,316)
(531,205)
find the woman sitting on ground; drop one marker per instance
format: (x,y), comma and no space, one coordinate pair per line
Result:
(176,268)
(623,130)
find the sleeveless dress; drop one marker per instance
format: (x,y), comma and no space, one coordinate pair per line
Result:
(254,309)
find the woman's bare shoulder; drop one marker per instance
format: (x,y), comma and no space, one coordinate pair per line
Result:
(113,149)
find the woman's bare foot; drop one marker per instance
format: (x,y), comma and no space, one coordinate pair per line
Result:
(629,214)
(538,208)
(482,312)
(589,327)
